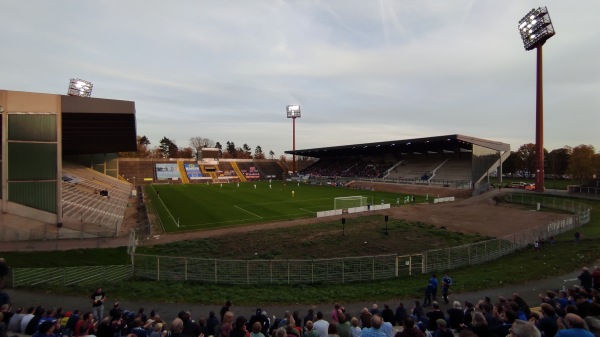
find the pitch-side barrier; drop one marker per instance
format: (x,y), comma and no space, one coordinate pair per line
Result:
(353,210)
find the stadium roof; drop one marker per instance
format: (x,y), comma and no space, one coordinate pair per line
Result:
(437,144)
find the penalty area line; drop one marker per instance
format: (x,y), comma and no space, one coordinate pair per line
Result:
(247,211)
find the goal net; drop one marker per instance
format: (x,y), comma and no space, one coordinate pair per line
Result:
(349,202)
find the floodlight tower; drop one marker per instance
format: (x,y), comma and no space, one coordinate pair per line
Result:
(293,112)
(79,87)
(535,28)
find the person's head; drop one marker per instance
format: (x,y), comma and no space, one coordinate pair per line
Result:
(332,329)
(336,306)
(98,290)
(88,316)
(177,326)
(47,327)
(435,305)
(211,314)
(158,327)
(354,322)
(441,324)
(376,321)
(522,328)
(281,332)
(228,304)
(256,327)
(547,310)
(456,305)
(408,323)
(478,319)
(341,318)
(309,325)
(400,305)
(240,323)
(319,315)
(510,316)
(574,321)
(374,306)
(228,317)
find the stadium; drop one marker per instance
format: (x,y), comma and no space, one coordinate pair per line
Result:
(63,180)
(62,177)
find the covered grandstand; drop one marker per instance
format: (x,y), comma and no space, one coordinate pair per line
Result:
(451,160)
(59,164)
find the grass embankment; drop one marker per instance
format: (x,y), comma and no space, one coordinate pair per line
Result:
(520,267)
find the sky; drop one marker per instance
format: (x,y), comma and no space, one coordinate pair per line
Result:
(362,71)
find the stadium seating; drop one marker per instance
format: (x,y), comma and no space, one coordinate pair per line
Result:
(269,169)
(94,198)
(454,169)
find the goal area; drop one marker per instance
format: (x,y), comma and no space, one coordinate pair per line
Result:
(349,202)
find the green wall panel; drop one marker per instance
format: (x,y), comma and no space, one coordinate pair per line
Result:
(31,161)
(39,194)
(29,127)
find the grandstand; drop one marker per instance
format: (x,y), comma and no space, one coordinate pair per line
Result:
(452,160)
(57,151)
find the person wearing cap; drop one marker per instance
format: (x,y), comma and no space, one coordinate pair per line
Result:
(260,318)
(47,328)
(442,330)
(585,279)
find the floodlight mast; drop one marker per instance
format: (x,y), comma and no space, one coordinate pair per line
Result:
(293,112)
(536,28)
(79,87)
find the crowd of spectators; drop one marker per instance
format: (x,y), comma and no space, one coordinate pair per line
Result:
(573,312)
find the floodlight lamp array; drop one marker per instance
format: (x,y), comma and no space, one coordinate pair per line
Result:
(293,111)
(79,87)
(535,28)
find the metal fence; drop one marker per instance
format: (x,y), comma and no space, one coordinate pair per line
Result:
(349,269)
(334,270)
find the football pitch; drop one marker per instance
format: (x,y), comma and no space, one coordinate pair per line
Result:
(200,206)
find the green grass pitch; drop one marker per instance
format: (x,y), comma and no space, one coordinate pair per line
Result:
(200,206)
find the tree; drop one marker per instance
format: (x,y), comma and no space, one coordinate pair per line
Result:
(186,152)
(526,155)
(231,151)
(246,151)
(581,163)
(512,164)
(557,162)
(271,153)
(220,147)
(167,148)
(197,143)
(258,153)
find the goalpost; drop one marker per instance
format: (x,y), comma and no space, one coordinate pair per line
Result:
(349,202)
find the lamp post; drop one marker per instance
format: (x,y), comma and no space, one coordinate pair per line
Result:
(79,87)
(293,112)
(535,28)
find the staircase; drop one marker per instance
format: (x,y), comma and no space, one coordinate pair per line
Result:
(238,172)
(184,177)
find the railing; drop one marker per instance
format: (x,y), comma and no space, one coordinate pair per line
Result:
(334,270)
